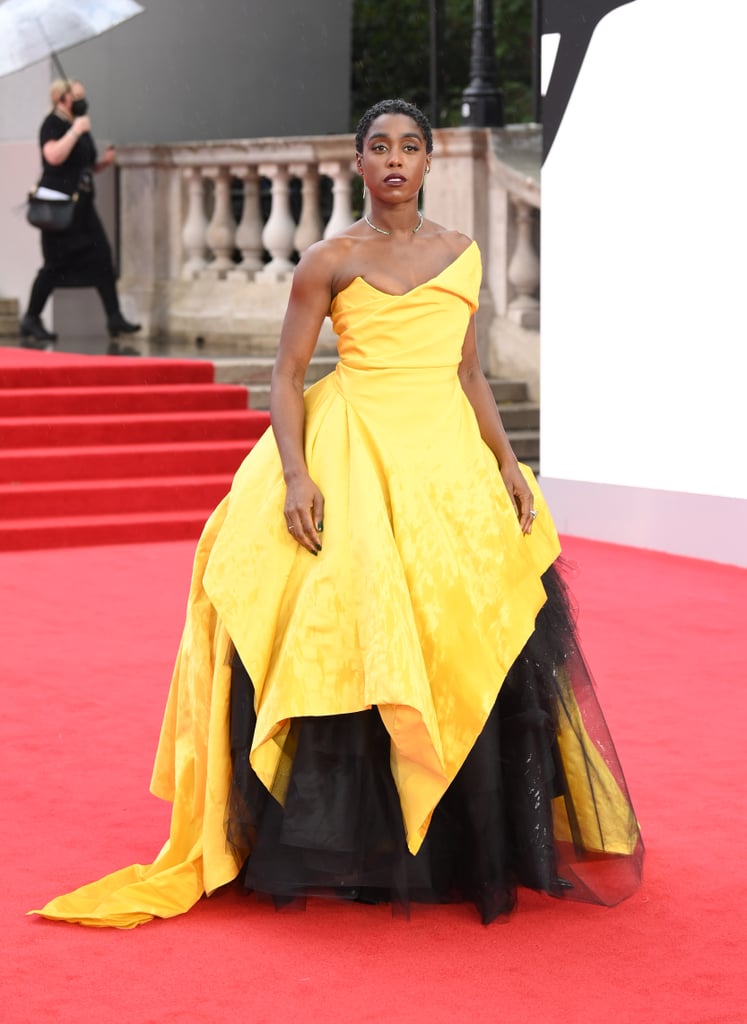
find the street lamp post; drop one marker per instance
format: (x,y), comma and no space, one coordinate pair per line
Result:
(482,101)
(436,19)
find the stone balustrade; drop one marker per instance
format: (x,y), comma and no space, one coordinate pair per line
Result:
(210,232)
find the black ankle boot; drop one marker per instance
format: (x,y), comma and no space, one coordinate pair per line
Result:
(32,327)
(118,325)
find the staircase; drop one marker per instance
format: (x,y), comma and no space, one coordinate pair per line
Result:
(10,316)
(521,418)
(99,451)
(95,450)
(520,415)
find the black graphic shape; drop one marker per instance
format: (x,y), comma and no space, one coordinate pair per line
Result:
(576,21)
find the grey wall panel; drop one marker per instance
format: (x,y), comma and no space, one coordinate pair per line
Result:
(217,69)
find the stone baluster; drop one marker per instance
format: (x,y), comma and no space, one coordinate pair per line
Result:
(341,173)
(249,232)
(309,229)
(524,270)
(195,225)
(221,231)
(277,236)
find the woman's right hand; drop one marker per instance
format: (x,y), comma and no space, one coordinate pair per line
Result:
(82,124)
(304,512)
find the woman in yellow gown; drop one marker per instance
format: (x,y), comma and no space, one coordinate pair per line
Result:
(379,693)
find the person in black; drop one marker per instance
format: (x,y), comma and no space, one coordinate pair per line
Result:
(80,257)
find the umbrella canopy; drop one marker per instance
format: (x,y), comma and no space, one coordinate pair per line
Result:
(32,30)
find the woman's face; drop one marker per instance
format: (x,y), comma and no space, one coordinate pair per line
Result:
(394,161)
(75,92)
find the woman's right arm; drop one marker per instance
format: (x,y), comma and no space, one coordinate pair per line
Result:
(307,307)
(56,151)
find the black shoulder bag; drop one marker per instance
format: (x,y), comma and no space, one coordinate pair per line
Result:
(51,213)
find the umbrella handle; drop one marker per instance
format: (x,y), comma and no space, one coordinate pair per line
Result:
(60,69)
(53,55)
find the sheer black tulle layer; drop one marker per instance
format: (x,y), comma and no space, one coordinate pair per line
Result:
(339,830)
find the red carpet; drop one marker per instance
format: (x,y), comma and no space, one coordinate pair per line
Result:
(89,638)
(98,450)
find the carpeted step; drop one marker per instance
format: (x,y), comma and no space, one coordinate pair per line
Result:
(85,531)
(65,431)
(32,369)
(98,450)
(91,401)
(117,462)
(110,497)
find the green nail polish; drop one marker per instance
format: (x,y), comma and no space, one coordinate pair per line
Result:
(320,526)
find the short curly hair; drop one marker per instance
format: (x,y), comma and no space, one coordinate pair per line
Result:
(396,106)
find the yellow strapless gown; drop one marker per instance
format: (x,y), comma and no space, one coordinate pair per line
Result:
(424,594)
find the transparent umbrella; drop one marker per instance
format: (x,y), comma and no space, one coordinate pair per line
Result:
(32,30)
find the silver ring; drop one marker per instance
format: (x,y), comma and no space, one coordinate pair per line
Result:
(533,514)
(291,529)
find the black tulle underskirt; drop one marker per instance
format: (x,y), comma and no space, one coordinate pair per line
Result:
(340,831)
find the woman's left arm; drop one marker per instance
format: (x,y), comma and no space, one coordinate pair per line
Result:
(477,390)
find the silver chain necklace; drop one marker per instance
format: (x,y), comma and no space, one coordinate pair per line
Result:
(382,231)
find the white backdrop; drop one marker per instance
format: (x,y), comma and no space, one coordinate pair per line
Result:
(644,239)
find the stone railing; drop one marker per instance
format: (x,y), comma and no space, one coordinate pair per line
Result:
(210,232)
(215,244)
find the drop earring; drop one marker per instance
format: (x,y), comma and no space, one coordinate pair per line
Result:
(364,190)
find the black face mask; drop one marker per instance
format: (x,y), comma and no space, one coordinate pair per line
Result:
(79,107)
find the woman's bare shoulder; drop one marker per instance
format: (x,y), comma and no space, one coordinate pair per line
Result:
(319,267)
(454,241)
(325,257)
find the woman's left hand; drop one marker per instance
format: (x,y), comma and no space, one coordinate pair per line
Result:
(109,158)
(520,494)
